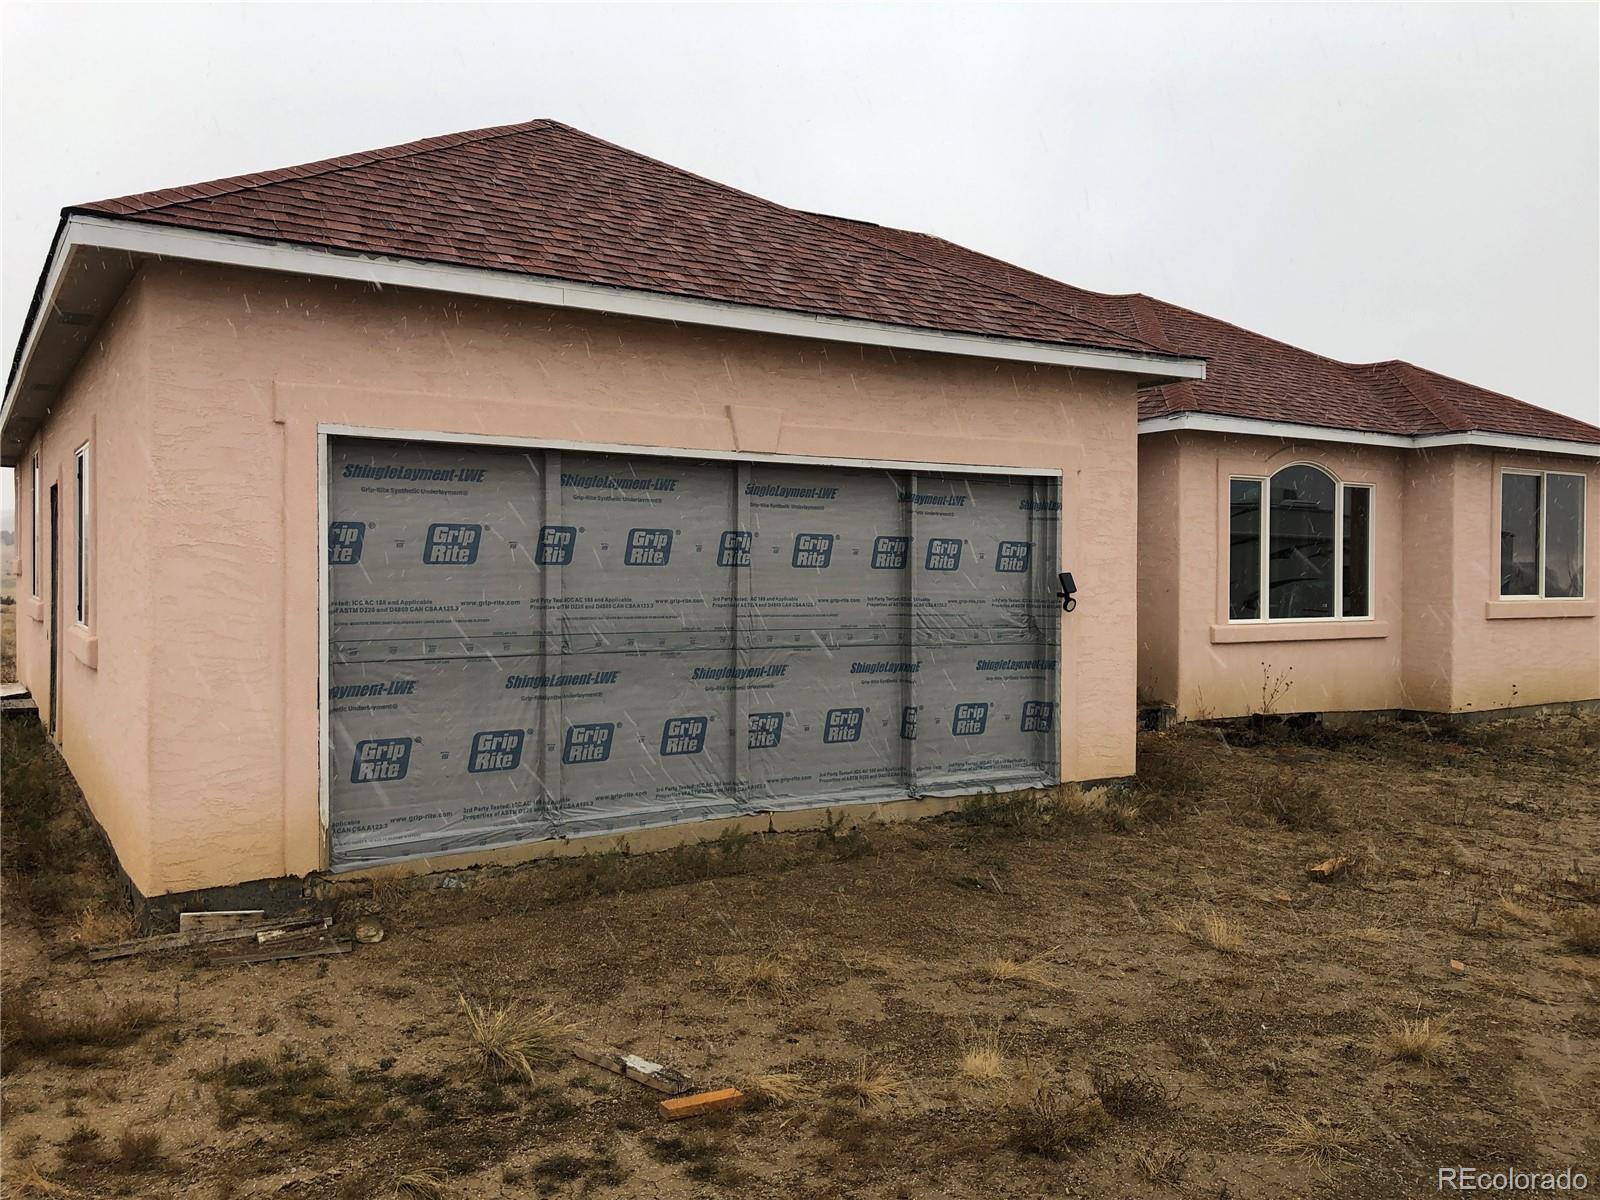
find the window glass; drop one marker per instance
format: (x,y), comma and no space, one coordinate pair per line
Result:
(1301,549)
(33,540)
(1357,539)
(1519,535)
(1563,535)
(83,536)
(1244,549)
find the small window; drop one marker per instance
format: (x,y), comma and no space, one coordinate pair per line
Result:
(33,540)
(82,535)
(1541,535)
(1299,547)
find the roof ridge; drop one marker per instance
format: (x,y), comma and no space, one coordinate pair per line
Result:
(229,184)
(1442,410)
(818,221)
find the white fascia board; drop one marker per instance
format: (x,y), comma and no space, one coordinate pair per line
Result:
(173,242)
(1291,432)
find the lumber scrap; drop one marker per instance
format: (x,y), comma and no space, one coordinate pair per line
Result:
(640,1070)
(680,1107)
(266,937)
(279,953)
(238,918)
(183,941)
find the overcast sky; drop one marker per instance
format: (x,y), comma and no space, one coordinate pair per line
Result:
(1370,182)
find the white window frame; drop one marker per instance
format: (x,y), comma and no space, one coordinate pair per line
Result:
(1265,537)
(83,491)
(1544,508)
(33,533)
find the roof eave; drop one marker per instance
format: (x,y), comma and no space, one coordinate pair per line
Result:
(81,229)
(1202,422)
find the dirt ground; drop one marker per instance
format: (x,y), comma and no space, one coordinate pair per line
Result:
(1034,997)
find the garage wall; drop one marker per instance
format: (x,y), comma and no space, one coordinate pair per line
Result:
(105,666)
(245,366)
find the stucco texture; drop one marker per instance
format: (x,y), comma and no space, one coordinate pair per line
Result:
(1439,638)
(218,489)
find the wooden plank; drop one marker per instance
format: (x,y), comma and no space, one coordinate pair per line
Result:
(640,1070)
(238,918)
(183,941)
(680,1107)
(266,937)
(278,953)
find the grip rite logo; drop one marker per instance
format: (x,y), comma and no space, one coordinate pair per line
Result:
(969,720)
(890,553)
(495,750)
(451,545)
(734,549)
(587,743)
(944,554)
(812,550)
(766,730)
(1038,716)
(683,735)
(648,548)
(381,760)
(908,723)
(344,543)
(555,545)
(843,725)
(1013,558)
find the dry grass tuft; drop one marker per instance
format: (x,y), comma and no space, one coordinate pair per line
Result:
(139,1150)
(99,924)
(510,1039)
(1580,929)
(30,1181)
(874,1086)
(1129,1093)
(1025,971)
(981,1061)
(1510,910)
(1318,1142)
(1205,926)
(772,975)
(781,1088)
(1162,1164)
(75,1038)
(1045,1119)
(1424,1040)
(426,1184)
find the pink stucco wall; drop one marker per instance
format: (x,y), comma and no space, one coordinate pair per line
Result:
(105,668)
(240,369)
(1439,638)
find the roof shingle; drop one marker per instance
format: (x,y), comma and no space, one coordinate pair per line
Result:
(545,199)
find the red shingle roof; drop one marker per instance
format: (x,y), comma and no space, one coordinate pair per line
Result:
(545,199)
(542,198)
(1249,375)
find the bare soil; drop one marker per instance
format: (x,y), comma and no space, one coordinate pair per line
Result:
(1150,998)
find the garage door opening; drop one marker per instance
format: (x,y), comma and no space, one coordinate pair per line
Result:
(526,644)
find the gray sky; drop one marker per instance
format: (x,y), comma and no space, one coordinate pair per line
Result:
(1370,182)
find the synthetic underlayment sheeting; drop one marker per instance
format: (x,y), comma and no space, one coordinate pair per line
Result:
(535,644)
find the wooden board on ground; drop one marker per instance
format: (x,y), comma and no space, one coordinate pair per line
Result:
(199,922)
(183,941)
(680,1107)
(640,1070)
(280,953)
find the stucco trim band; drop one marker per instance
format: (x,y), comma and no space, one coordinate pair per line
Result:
(1500,610)
(1298,631)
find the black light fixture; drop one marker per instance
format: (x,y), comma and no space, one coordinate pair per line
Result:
(1068,588)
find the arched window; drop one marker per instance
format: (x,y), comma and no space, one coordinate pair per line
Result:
(1300,543)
